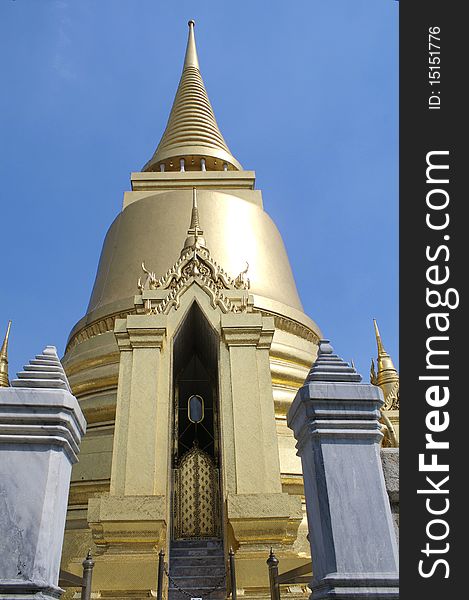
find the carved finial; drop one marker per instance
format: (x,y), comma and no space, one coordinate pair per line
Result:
(4,381)
(272,561)
(195,235)
(151,282)
(88,563)
(194,227)
(330,367)
(373,373)
(241,281)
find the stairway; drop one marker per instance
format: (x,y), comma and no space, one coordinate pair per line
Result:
(197,566)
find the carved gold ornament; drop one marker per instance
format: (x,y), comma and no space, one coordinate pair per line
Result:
(194,265)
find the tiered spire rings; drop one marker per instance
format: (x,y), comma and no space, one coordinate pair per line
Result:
(192,140)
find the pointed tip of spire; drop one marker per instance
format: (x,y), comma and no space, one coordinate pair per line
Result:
(379,342)
(7,336)
(191,59)
(4,380)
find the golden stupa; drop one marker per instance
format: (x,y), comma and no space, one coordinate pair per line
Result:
(192,348)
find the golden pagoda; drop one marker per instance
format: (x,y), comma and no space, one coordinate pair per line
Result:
(191,351)
(387,378)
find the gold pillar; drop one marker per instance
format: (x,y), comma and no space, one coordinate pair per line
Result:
(129,525)
(140,339)
(259,515)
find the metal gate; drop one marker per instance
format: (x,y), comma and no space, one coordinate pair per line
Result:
(196,512)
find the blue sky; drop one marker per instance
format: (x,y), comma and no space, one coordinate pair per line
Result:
(305,94)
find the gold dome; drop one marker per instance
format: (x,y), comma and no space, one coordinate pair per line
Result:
(153,229)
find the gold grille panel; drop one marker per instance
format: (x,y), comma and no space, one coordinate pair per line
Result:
(196,506)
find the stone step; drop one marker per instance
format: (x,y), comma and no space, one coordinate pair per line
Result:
(202,561)
(195,552)
(197,570)
(197,566)
(206,543)
(197,581)
(33,366)
(176,595)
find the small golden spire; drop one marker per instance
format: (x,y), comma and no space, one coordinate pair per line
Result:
(195,235)
(387,378)
(4,381)
(379,342)
(194,228)
(386,375)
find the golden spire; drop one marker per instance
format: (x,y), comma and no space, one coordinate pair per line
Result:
(195,235)
(386,376)
(4,381)
(192,140)
(194,228)
(191,59)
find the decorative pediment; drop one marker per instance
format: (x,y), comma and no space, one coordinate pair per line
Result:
(158,295)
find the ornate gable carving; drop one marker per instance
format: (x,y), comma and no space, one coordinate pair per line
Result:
(158,295)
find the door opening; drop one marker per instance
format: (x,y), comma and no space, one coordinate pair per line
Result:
(196,497)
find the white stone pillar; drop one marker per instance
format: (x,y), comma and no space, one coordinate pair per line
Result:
(334,418)
(41,426)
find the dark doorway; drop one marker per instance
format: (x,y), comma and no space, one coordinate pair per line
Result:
(196,489)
